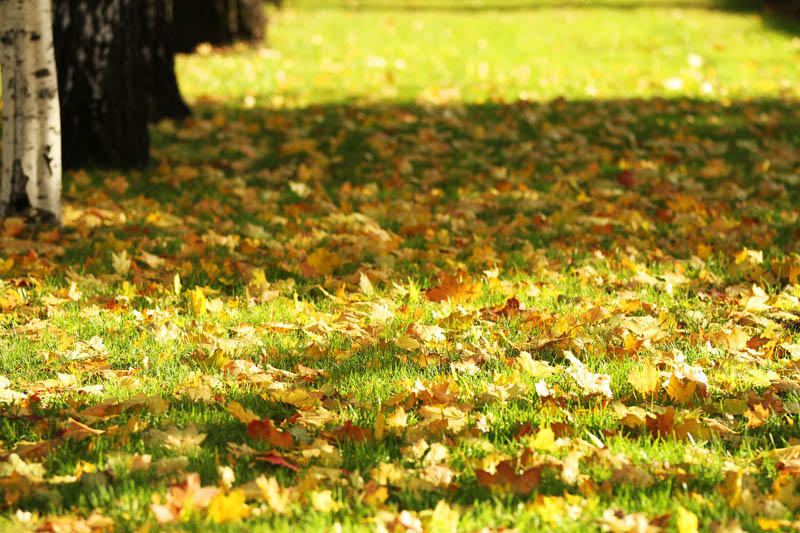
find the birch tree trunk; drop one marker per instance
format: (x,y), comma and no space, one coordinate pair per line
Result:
(101,83)
(31,178)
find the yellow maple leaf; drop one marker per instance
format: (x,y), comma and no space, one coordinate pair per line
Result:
(398,419)
(298,397)
(703,251)
(6,265)
(379,428)
(407,343)
(259,277)
(545,440)
(389,474)
(794,273)
(241,413)
(756,416)
(444,519)
(731,488)
(646,379)
(768,524)
(680,390)
(228,508)
(197,301)
(551,508)
(687,521)
(374,495)
(323,261)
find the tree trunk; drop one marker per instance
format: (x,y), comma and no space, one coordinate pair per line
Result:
(163,96)
(31,178)
(101,83)
(218,22)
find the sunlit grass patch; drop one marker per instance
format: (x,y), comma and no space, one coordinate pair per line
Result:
(389,279)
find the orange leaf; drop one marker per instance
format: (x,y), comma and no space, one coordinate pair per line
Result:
(756,416)
(77,431)
(458,288)
(349,432)
(506,475)
(264,430)
(662,424)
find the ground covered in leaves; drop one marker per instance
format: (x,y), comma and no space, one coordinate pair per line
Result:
(434,307)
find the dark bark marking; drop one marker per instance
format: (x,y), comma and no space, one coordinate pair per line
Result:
(18,203)
(42,73)
(47,159)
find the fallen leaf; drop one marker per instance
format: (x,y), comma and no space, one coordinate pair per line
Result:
(266,431)
(646,380)
(228,507)
(687,521)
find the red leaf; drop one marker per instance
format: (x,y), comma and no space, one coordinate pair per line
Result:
(626,178)
(526,429)
(276,459)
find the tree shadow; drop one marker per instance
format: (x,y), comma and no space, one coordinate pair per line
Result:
(777,15)
(413,168)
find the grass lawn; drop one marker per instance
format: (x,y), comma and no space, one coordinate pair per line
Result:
(428,268)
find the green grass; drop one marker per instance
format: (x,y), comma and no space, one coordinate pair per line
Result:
(323,53)
(536,149)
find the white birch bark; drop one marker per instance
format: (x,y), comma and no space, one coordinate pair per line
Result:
(31,179)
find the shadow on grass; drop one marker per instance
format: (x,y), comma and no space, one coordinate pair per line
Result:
(778,15)
(363,143)
(737,160)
